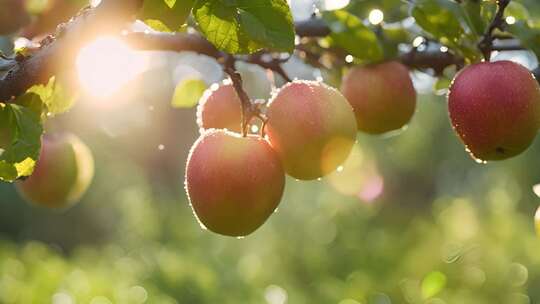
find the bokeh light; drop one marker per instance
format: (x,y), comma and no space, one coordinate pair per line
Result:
(376,16)
(358,176)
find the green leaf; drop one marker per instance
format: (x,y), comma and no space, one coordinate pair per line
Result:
(518,11)
(20,141)
(349,33)
(391,38)
(472,12)
(441,85)
(168,14)
(437,19)
(170,3)
(246,26)
(456,26)
(529,35)
(54,95)
(432,284)
(187,93)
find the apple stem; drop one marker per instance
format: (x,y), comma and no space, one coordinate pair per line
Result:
(248,108)
(498,22)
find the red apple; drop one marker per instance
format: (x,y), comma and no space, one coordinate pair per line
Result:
(312,128)
(382,96)
(234,183)
(62,174)
(495,109)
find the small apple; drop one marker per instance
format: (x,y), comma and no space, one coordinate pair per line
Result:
(312,128)
(62,174)
(382,96)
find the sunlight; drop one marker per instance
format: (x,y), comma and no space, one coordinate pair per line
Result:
(331,5)
(107,64)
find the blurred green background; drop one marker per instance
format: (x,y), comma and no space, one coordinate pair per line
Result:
(410,218)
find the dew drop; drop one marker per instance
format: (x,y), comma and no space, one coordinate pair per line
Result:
(418,41)
(479,161)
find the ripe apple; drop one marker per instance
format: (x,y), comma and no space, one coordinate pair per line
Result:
(62,174)
(495,109)
(234,183)
(382,96)
(312,128)
(220,108)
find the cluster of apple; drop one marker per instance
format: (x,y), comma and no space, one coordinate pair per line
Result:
(235,182)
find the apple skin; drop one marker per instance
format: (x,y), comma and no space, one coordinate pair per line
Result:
(62,174)
(13,16)
(494,107)
(220,108)
(234,183)
(382,96)
(312,128)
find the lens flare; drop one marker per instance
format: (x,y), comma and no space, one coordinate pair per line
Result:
(107,64)
(358,176)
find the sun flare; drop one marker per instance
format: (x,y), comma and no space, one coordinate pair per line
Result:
(107,64)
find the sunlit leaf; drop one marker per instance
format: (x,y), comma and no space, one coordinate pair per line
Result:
(54,95)
(349,33)
(529,35)
(518,11)
(437,20)
(170,13)
(21,131)
(432,284)
(187,93)
(246,26)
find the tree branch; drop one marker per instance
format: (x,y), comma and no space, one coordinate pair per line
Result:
(435,60)
(177,42)
(314,27)
(58,52)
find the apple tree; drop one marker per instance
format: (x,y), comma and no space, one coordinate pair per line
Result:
(365,52)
